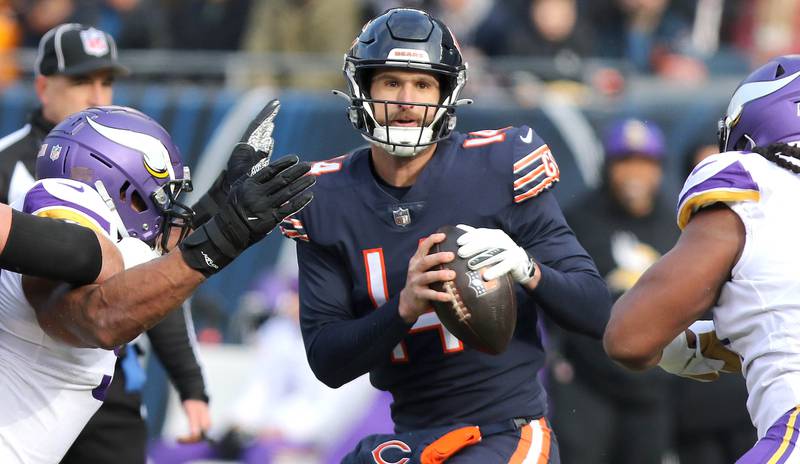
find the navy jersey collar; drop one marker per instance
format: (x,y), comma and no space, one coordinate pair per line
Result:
(426,182)
(377,199)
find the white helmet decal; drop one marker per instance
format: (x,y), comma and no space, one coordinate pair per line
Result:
(753,90)
(154,153)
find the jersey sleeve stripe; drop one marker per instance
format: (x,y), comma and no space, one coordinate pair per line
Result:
(68,214)
(530,158)
(548,182)
(294,235)
(787,441)
(528,178)
(293,228)
(469,143)
(69,203)
(694,202)
(732,177)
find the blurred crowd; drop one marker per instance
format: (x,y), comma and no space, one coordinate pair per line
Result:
(682,40)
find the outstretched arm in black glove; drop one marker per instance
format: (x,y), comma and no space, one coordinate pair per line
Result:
(115,311)
(254,208)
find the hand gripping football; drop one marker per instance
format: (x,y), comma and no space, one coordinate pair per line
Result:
(482,314)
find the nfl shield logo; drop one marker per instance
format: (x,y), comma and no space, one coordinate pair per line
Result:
(402,216)
(94,42)
(55,152)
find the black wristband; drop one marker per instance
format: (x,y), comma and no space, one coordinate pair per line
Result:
(208,249)
(53,249)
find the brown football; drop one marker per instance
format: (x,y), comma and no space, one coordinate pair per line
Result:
(483,314)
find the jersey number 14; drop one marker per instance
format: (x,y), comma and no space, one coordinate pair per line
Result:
(379,293)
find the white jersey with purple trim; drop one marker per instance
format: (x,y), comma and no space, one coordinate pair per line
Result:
(758,310)
(49,390)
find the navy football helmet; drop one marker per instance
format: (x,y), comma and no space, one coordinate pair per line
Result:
(409,39)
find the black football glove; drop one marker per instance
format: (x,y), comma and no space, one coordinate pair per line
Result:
(256,204)
(256,144)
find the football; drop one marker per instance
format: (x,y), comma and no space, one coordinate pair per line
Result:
(482,314)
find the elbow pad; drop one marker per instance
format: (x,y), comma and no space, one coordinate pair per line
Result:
(51,249)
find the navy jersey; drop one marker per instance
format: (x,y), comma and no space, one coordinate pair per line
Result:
(354,244)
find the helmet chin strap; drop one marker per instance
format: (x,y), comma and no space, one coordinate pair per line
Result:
(101,189)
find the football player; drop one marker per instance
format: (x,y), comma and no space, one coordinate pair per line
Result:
(116,171)
(736,255)
(365,267)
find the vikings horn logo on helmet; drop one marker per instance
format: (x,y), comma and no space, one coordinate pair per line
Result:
(763,109)
(154,153)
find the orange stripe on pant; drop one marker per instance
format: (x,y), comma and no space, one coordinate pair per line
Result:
(544,456)
(539,445)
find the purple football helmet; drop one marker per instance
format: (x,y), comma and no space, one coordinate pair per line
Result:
(765,108)
(130,160)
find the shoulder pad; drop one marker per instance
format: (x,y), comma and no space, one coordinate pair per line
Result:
(70,201)
(534,167)
(719,178)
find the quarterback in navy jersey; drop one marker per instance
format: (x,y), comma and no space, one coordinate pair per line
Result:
(365,269)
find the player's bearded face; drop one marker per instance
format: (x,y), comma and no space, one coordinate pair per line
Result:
(404,88)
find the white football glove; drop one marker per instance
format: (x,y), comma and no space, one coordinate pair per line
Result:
(493,247)
(135,252)
(705,361)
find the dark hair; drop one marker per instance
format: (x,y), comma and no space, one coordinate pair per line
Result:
(772,150)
